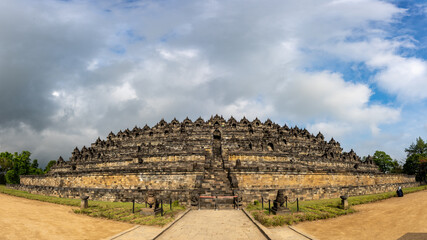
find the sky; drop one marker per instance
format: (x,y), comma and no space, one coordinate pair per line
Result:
(72,71)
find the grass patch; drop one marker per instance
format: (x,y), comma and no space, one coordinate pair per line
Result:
(119,211)
(317,209)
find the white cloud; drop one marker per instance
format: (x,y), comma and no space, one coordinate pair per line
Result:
(326,96)
(178,55)
(124,92)
(198,59)
(331,129)
(249,108)
(93,65)
(405,77)
(46,145)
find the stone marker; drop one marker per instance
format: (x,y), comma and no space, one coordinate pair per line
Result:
(344,201)
(194,198)
(84,202)
(278,204)
(151,201)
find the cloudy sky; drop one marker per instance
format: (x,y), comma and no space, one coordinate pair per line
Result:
(71,71)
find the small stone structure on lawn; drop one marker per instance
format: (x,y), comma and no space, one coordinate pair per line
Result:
(84,203)
(190,161)
(344,202)
(278,204)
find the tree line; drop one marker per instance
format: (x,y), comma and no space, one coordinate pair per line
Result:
(14,165)
(415,163)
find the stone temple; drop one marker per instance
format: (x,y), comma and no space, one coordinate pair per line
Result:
(188,161)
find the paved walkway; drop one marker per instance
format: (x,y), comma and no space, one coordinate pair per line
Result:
(211,224)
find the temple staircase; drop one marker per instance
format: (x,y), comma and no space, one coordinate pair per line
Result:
(216,190)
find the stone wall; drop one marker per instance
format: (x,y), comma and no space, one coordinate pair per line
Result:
(103,194)
(113,187)
(313,186)
(163,181)
(179,186)
(256,180)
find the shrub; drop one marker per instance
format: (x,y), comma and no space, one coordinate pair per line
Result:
(2,178)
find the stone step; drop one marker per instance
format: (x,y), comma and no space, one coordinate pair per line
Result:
(215,182)
(219,203)
(216,190)
(220,207)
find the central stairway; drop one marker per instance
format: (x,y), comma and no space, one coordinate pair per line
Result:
(216,189)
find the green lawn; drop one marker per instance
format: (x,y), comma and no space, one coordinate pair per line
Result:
(317,209)
(122,211)
(119,211)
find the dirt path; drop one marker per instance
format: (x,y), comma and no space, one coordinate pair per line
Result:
(21,218)
(211,224)
(388,219)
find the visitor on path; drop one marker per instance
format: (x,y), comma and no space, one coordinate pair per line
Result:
(399,192)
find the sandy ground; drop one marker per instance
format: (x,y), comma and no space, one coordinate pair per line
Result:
(211,224)
(283,233)
(140,232)
(21,218)
(387,219)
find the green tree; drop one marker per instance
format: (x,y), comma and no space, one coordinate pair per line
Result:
(5,165)
(12,177)
(420,147)
(34,168)
(397,168)
(423,170)
(5,161)
(2,178)
(384,162)
(49,166)
(18,164)
(415,162)
(411,165)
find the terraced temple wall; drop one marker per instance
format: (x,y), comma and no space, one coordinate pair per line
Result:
(113,187)
(312,186)
(174,181)
(166,161)
(106,194)
(179,186)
